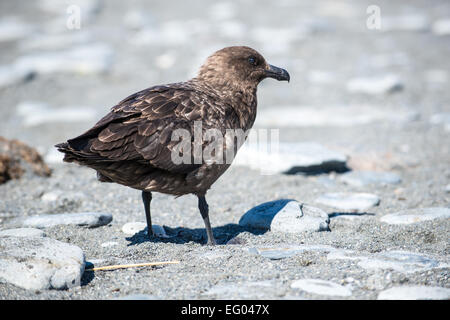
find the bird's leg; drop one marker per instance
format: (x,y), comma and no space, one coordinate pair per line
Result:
(203,206)
(147,198)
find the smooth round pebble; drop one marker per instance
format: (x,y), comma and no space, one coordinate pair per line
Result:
(321,287)
(415,293)
(133,227)
(416,215)
(22,232)
(357,201)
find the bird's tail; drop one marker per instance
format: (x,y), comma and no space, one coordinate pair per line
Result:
(69,153)
(74,154)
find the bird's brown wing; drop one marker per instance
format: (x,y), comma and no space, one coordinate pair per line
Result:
(140,128)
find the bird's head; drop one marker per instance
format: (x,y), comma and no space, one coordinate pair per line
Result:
(239,66)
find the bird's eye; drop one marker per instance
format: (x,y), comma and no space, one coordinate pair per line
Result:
(252,61)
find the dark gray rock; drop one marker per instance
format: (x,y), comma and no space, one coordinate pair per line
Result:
(400,261)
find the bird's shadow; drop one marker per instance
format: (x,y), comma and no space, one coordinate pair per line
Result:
(222,234)
(181,235)
(350,214)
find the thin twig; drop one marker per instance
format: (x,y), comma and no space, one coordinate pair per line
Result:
(123,266)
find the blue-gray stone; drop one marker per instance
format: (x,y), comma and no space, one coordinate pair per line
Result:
(363,178)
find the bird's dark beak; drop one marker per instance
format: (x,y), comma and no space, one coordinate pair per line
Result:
(277,73)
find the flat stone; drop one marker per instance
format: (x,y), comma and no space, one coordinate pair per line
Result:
(415,293)
(88,219)
(285,216)
(349,201)
(287,251)
(38,263)
(83,59)
(363,178)
(416,215)
(401,261)
(132,228)
(337,116)
(342,254)
(375,85)
(22,232)
(441,27)
(291,158)
(322,287)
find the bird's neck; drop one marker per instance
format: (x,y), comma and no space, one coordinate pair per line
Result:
(240,97)
(244,103)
